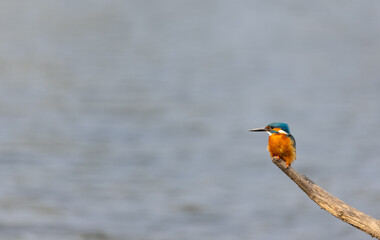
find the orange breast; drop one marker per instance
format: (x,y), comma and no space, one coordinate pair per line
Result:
(282,146)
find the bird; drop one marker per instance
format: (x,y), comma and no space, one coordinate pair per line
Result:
(281,144)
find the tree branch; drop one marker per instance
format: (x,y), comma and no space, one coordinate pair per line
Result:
(332,204)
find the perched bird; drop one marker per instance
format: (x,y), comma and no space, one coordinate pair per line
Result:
(281,143)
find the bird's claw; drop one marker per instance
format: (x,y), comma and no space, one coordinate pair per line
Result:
(278,158)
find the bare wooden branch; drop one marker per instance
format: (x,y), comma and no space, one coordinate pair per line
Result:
(332,204)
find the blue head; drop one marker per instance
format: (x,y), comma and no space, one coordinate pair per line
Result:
(283,126)
(273,128)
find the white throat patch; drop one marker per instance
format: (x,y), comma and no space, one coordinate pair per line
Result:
(282,132)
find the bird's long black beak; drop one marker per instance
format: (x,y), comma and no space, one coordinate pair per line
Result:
(258,130)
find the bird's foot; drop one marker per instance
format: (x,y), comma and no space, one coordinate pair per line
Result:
(278,158)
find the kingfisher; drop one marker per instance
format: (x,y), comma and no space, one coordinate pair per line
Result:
(281,143)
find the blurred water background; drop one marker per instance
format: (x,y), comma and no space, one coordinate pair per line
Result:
(129,119)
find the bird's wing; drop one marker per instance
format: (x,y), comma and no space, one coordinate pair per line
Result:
(293,140)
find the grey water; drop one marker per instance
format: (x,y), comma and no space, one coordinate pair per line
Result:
(129,119)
